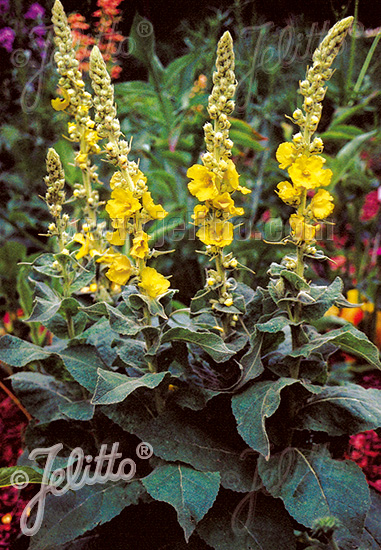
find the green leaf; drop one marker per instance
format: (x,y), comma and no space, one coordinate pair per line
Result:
(46,303)
(190,492)
(78,410)
(101,336)
(70,515)
(277,324)
(208,341)
(113,387)
(43,264)
(251,362)
(18,353)
(122,324)
(83,363)
(323,300)
(132,353)
(312,485)
(22,474)
(41,394)
(347,154)
(372,532)
(349,339)
(256,522)
(177,436)
(342,410)
(253,406)
(85,277)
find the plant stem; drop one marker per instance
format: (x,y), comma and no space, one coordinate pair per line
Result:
(15,401)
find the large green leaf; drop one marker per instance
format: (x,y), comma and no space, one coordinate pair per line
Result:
(342,410)
(177,436)
(349,339)
(83,362)
(68,516)
(324,298)
(190,492)
(18,353)
(256,522)
(132,353)
(46,303)
(312,485)
(251,362)
(372,532)
(41,394)
(253,406)
(120,323)
(113,387)
(208,341)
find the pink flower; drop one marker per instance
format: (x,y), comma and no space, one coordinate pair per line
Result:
(7,36)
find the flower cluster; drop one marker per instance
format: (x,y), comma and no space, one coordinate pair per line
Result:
(214,182)
(302,157)
(131,205)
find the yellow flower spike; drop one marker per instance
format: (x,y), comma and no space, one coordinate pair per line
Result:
(301,230)
(120,270)
(288,193)
(308,172)
(153,283)
(140,248)
(200,213)
(322,204)
(155,211)
(122,204)
(203,184)
(286,154)
(216,233)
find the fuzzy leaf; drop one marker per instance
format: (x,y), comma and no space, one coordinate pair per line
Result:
(312,485)
(18,353)
(83,363)
(113,387)
(68,516)
(46,303)
(208,341)
(342,410)
(349,339)
(190,492)
(8,476)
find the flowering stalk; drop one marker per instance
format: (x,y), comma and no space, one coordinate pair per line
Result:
(302,156)
(76,102)
(55,198)
(214,183)
(131,205)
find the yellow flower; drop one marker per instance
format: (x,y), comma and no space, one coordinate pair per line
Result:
(288,193)
(200,213)
(230,180)
(89,245)
(216,233)
(107,257)
(322,204)
(308,172)
(91,138)
(120,270)
(203,184)
(139,177)
(117,181)
(81,160)
(156,211)
(286,154)
(153,282)
(122,204)
(140,247)
(225,202)
(60,104)
(301,230)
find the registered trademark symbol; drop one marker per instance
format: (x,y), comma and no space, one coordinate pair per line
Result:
(144,450)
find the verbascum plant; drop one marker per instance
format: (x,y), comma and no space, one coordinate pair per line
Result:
(77,103)
(303,157)
(216,180)
(131,205)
